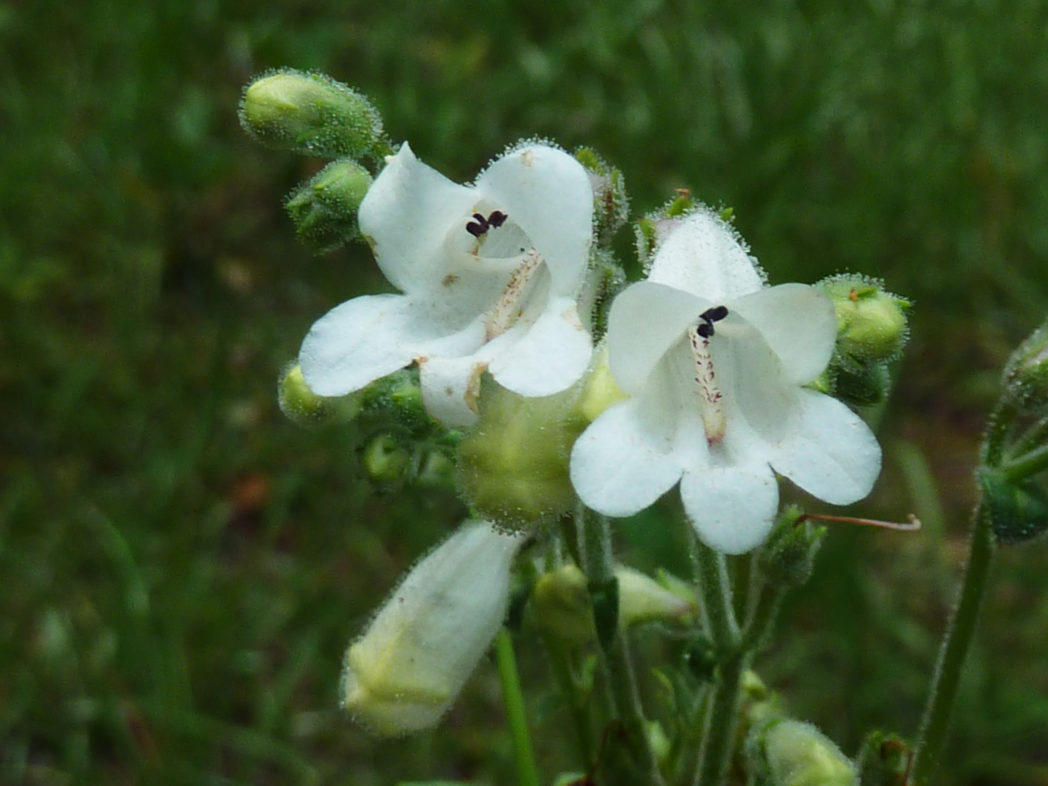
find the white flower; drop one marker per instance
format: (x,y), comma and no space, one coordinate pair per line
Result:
(714,363)
(489,276)
(404,673)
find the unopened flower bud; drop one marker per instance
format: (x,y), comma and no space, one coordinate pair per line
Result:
(513,464)
(304,407)
(387,461)
(563,607)
(404,673)
(884,760)
(1018,509)
(310,114)
(324,209)
(871,323)
(859,384)
(788,556)
(610,202)
(787,752)
(1026,373)
(599,388)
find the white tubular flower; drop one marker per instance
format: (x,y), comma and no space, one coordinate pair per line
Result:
(489,276)
(404,673)
(714,363)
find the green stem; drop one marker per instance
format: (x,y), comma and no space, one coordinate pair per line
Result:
(721,720)
(955,646)
(598,563)
(578,703)
(523,756)
(1029,464)
(722,714)
(759,624)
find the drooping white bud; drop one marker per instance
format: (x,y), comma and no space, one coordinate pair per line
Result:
(404,673)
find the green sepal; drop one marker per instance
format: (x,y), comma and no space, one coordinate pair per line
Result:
(788,556)
(1018,509)
(324,209)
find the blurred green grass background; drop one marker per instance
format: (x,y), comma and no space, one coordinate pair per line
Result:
(181,568)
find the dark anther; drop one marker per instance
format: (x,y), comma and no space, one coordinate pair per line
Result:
(496,218)
(476,229)
(715,314)
(705,330)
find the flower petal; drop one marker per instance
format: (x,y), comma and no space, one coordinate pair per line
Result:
(547,193)
(702,255)
(733,507)
(829,451)
(450,387)
(624,461)
(798,323)
(407,214)
(359,341)
(550,356)
(645,321)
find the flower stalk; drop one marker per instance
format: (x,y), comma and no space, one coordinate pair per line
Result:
(523,755)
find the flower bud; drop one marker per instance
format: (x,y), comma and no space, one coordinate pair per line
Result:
(787,752)
(1026,373)
(563,607)
(302,406)
(386,460)
(871,323)
(611,205)
(1018,509)
(884,760)
(859,384)
(324,209)
(513,464)
(788,556)
(404,673)
(311,114)
(599,388)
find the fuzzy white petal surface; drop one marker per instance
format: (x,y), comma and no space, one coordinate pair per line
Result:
(644,322)
(731,507)
(407,214)
(798,323)
(624,462)
(450,386)
(550,357)
(701,255)
(359,341)
(547,193)
(829,451)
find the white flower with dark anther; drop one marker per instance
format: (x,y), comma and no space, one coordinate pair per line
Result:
(715,363)
(489,276)
(404,673)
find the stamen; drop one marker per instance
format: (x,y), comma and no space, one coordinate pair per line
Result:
(712,406)
(911,525)
(496,218)
(510,305)
(478,226)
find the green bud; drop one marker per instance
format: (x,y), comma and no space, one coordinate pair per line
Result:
(1018,509)
(513,464)
(788,556)
(396,398)
(884,760)
(643,599)
(386,460)
(324,209)
(786,752)
(1026,373)
(304,407)
(871,323)
(311,114)
(610,203)
(599,388)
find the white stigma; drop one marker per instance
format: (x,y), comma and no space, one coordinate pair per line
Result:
(712,405)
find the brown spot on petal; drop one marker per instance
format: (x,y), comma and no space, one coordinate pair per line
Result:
(449,279)
(527,157)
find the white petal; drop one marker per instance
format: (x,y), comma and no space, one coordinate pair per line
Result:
(358,342)
(551,355)
(829,451)
(732,508)
(797,322)
(450,387)
(701,255)
(407,214)
(624,462)
(645,321)
(547,193)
